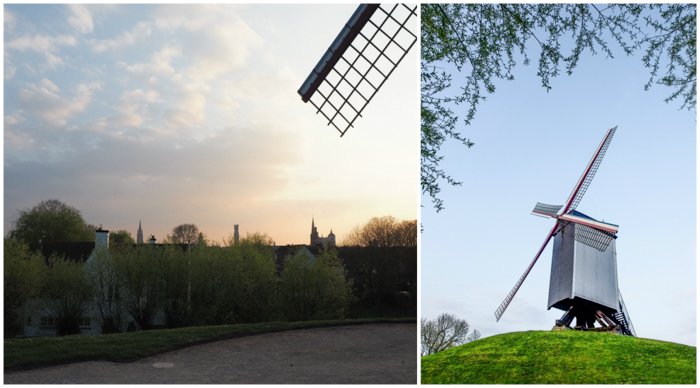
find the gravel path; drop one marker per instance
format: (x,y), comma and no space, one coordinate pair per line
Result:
(362,354)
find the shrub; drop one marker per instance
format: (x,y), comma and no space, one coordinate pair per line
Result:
(315,287)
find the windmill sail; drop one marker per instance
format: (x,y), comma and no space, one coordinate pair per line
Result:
(358,62)
(545,210)
(588,173)
(504,305)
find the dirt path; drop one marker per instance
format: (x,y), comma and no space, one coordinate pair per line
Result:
(363,354)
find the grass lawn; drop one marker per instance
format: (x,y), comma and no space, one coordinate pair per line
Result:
(563,357)
(26,353)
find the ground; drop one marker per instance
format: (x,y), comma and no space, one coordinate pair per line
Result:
(362,354)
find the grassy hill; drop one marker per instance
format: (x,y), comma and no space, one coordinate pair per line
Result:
(563,357)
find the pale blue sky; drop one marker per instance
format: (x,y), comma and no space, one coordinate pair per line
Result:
(178,114)
(532,146)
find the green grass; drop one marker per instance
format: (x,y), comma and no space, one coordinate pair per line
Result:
(27,353)
(563,357)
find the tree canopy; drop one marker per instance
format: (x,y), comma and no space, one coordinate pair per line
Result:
(483,40)
(50,220)
(121,237)
(444,332)
(185,234)
(384,231)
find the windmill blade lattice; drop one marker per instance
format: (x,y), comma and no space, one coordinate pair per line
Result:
(504,305)
(588,175)
(595,238)
(360,60)
(546,210)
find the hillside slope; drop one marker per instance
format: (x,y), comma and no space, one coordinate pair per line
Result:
(563,357)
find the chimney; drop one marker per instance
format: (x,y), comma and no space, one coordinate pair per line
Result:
(101,237)
(153,240)
(235,234)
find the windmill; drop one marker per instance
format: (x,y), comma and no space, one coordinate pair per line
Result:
(361,58)
(583,280)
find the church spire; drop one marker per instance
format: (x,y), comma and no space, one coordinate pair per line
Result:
(139,235)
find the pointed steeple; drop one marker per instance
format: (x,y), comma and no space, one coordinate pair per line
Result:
(139,234)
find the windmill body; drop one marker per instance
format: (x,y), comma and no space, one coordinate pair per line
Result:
(582,275)
(583,281)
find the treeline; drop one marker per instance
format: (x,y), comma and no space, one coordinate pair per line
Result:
(139,287)
(384,231)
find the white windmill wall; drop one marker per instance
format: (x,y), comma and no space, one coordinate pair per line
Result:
(595,274)
(579,270)
(562,275)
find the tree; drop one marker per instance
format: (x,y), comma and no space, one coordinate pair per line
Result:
(139,290)
(173,279)
(185,234)
(480,41)
(444,332)
(315,288)
(236,284)
(50,220)
(407,233)
(120,237)
(66,295)
(24,275)
(677,34)
(107,285)
(384,231)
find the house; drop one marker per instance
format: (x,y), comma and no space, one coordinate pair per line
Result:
(37,322)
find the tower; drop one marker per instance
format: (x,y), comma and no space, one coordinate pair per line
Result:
(235,235)
(320,240)
(139,235)
(314,234)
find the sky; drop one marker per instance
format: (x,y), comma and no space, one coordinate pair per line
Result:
(173,114)
(532,146)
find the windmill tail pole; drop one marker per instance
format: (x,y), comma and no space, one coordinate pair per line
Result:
(511,294)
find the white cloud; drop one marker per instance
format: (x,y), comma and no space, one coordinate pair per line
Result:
(140,31)
(192,18)
(81,18)
(44,101)
(45,83)
(13,138)
(9,71)
(191,101)
(219,41)
(159,64)
(43,44)
(131,106)
(224,48)
(10,20)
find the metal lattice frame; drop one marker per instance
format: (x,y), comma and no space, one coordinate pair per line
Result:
(598,239)
(544,209)
(590,173)
(364,67)
(624,317)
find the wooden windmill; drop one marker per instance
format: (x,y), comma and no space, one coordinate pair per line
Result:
(583,280)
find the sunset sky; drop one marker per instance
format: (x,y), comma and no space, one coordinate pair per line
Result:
(190,114)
